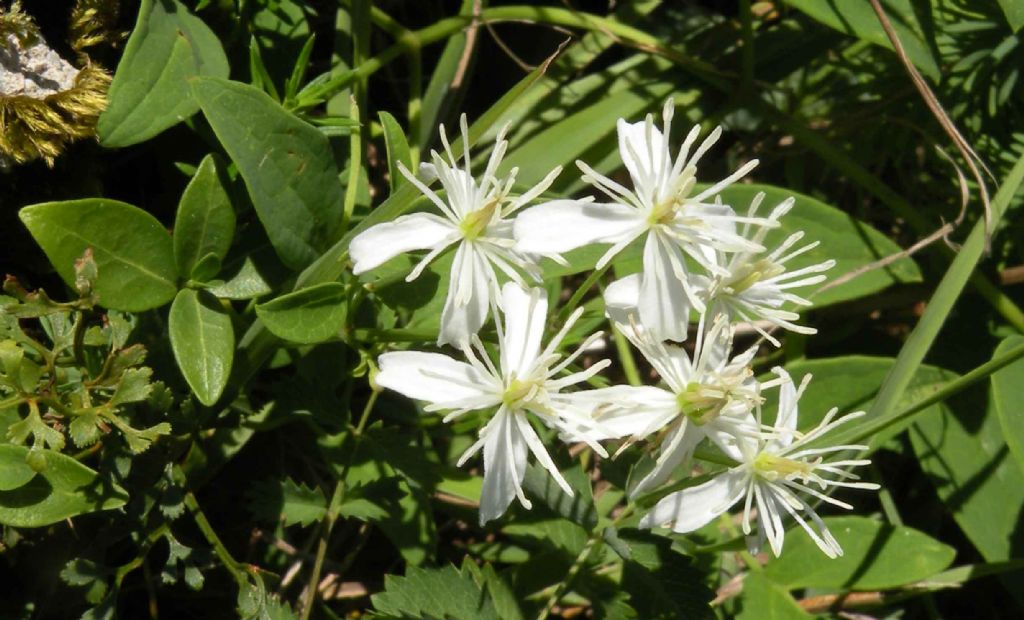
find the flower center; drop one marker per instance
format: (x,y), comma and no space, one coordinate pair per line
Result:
(474,224)
(771,467)
(519,393)
(703,402)
(749,274)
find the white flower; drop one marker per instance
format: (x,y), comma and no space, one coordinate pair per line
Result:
(712,396)
(661,207)
(474,217)
(525,381)
(753,285)
(773,471)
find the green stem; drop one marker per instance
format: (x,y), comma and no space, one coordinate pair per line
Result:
(626,359)
(333,511)
(234,567)
(593,544)
(869,429)
(578,294)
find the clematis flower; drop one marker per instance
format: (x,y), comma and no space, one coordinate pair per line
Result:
(711,396)
(474,216)
(754,286)
(526,382)
(663,207)
(774,472)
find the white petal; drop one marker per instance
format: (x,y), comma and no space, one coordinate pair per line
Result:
(694,507)
(378,244)
(786,419)
(675,450)
(664,307)
(525,318)
(469,297)
(563,225)
(646,156)
(432,377)
(539,451)
(504,468)
(629,411)
(621,298)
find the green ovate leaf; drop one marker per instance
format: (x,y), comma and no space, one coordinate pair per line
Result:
(1008,399)
(397,149)
(205,223)
(65,488)
(14,470)
(306,316)
(859,20)
(132,250)
(246,283)
(203,341)
(1014,10)
(435,593)
(876,556)
(763,600)
(287,166)
(150,91)
(963,453)
(851,243)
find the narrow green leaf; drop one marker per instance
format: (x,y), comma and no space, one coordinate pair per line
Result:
(876,556)
(306,316)
(64,489)
(1008,399)
(299,71)
(205,222)
(397,147)
(857,19)
(132,250)
(150,90)
(939,306)
(258,74)
(203,341)
(287,166)
(451,72)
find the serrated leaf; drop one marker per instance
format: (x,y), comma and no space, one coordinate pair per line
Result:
(292,502)
(203,341)
(150,91)
(661,582)
(134,387)
(578,509)
(205,222)
(84,430)
(66,488)
(373,501)
(307,316)
(434,593)
(287,166)
(876,556)
(132,250)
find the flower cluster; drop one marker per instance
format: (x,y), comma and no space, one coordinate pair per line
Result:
(701,260)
